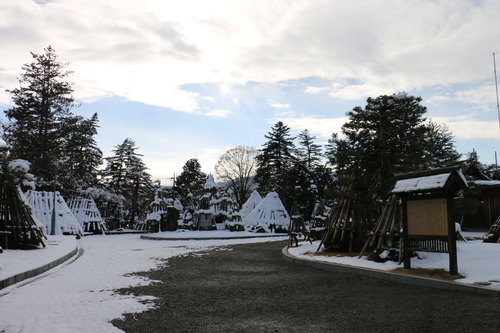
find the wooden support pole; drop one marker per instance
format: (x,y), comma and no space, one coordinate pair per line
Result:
(452,238)
(406,252)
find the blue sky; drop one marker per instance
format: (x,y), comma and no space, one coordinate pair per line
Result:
(190,79)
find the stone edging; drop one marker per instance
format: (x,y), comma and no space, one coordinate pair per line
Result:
(395,277)
(78,251)
(207,237)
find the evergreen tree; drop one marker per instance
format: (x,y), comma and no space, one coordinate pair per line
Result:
(275,163)
(387,137)
(82,156)
(308,174)
(42,106)
(126,174)
(438,146)
(303,189)
(189,184)
(309,152)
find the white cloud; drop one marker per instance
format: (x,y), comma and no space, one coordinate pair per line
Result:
(209,98)
(148,51)
(360,91)
(218,114)
(315,90)
(145,50)
(320,127)
(275,104)
(466,127)
(209,158)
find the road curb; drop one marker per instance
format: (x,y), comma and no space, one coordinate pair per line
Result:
(74,254)
(207,237)
(390,276)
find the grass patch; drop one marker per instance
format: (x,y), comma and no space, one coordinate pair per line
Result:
(433,273)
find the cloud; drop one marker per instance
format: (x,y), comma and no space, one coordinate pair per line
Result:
(320,127)
(209,158)
(315,90)
(114,48)
(466,127)
(209,98)
(275,104)
(147,50)
(217,114)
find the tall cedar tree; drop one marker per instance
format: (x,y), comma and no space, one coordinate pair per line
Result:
(236,167)
(309,152)
(42,109)
(275,163)
(82,156)
(389,136)
(126,174)
(310,176)
(189,184)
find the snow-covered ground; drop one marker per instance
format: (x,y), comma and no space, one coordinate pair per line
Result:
(477,261)
(13,262)
(80,297)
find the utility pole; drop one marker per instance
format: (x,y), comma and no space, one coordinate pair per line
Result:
(496,87)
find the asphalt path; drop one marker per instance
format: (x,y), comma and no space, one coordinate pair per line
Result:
(251,288)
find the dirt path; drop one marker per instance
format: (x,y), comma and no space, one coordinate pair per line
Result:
(250,288)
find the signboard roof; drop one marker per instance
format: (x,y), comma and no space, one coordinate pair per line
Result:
(439,180)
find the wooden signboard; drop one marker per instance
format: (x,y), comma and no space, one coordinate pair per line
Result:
(427,217)
(428,222)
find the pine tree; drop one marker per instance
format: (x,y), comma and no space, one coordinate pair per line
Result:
(309,152)
(275,163)
(82,157)
(42,105)
(389,136)
(189,184)
(308,174)
(439,146)
(126,174)
(303,190)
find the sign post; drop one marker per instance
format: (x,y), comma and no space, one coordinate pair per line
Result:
(428,223)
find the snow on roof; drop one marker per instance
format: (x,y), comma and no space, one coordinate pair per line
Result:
(421,183)
(250,204)
(487,182)
(430,182)
(19,165)
(268,211)
(154,216)
(210,183)
(42,204)
(177,205)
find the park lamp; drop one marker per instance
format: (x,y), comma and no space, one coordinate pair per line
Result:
(55,163)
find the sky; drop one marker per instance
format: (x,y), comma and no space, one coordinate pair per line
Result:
(193,78)
(67,296)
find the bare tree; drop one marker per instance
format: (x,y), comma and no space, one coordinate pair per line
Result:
(236,167)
